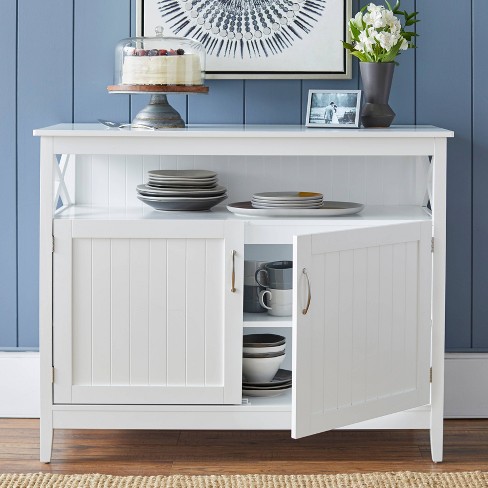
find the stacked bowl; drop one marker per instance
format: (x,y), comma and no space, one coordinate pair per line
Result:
(288,199)
(263,355)
(187,189)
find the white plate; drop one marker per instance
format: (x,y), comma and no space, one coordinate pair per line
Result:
(328,209)
(154,191)
(182,173)
(288,195)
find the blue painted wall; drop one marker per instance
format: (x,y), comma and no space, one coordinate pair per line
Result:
(57,60)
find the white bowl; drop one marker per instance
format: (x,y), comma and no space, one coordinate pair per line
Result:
(261,369)
(255,350)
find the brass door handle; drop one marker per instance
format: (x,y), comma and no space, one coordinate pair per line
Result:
(309,299)
(233,254)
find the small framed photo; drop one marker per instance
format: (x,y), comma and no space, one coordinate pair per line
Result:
(333,108)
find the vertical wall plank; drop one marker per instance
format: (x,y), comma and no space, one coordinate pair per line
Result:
(44,94)
(273,102)
(444,99)
(8,177)
(98,27)
(480,178)
(224,103)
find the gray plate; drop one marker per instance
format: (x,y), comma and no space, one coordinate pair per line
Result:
(179,192)
(282,377)
(288,195)
(264,393)
(328,209)
(183,204)
(183,184)
(263,354)
(182,173)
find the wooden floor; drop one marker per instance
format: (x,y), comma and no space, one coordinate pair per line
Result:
(234,452)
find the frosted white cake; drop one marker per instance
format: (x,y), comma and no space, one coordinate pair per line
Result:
(181,69)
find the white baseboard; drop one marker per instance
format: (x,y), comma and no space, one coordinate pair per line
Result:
(466,385)
(19,384)
(466,388)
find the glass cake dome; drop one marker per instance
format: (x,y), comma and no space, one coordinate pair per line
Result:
(159,60)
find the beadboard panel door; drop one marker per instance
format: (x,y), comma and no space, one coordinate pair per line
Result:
(362,350)
(8,179)
(150,320)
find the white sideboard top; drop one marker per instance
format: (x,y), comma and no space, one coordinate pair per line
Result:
(244,131)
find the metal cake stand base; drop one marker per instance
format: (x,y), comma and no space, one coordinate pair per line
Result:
(158,113)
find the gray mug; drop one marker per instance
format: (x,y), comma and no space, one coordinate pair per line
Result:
(277,274)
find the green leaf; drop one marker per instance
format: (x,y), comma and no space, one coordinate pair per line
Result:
(388,5)
(393,53)
(348,46)
(354,30)
(362,56)
(411,22)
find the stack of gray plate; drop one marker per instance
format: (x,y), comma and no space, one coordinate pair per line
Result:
(280,384)
(185,189)
(288,199)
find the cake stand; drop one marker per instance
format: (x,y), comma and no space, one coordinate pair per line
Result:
(158,113)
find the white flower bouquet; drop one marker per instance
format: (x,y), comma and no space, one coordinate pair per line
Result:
(378,35)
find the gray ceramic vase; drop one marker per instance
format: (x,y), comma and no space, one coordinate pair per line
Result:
(377,78)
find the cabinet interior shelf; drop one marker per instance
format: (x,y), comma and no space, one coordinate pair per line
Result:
(265,320)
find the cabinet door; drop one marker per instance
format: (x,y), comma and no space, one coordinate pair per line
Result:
(363,348)
(147,320)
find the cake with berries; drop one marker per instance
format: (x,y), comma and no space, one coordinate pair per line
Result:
(160,67)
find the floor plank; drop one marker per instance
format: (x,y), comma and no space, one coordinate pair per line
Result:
(137,452)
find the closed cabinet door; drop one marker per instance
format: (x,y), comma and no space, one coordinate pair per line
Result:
(147,320)
(362,325)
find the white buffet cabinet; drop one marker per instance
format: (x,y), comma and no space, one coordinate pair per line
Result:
(139,327)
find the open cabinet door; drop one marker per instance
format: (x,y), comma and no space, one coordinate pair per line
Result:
(362,350)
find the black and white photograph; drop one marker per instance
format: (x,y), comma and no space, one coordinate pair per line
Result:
(333,108)
(258,38)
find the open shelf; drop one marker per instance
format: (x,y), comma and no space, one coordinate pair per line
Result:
(265,320)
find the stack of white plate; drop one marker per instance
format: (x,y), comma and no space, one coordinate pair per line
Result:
(288,199)
(187,189)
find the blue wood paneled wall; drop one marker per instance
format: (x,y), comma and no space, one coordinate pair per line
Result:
(57,60)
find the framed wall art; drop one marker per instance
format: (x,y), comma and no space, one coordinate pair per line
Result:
(333,108)
(287,39)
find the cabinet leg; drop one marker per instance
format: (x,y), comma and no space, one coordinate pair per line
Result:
(436,437)
(46,442)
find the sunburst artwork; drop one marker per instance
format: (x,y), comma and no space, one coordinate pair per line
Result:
(258,38)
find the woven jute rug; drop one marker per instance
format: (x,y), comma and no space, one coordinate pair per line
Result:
(404,479)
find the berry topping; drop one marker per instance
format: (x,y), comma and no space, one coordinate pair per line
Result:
(141,52)
(163,52)
(153,52)
(180,51)
(171,52)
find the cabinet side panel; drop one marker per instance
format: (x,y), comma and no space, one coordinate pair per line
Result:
(139,308)
(101,312)
(82,311)
(157,312)
(120,311)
